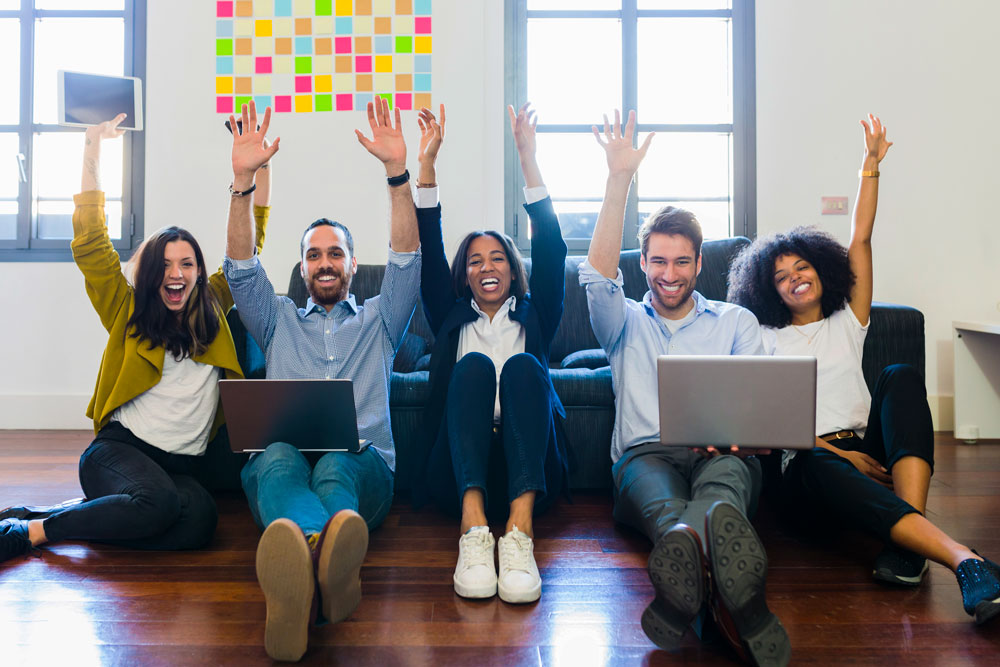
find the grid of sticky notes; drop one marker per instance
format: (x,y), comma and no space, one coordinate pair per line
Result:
(303,56)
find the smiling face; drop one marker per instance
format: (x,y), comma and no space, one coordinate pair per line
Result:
(180,275)
(487,269)
(671,269)
(798,284)
(327,265)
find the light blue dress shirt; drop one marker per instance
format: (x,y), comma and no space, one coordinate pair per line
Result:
(633,336)
(351,341)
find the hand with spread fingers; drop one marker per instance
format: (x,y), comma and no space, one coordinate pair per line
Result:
(522,126)
(876,145)
(250,150)
(623,159)
(387,143)
(431,138)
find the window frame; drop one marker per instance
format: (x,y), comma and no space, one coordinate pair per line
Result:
(26,248)
(742,129)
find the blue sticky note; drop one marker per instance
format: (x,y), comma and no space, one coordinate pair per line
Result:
(361,101)
(422,63)
(224,28)
(303,46)
(282,7)
(422,83)
(223,64)
(422,7)
(383,44)
(345,25)
(262,101)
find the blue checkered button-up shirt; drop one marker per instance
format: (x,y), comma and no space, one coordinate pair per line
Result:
(351,341)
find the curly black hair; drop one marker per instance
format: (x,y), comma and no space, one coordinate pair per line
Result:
(751,275)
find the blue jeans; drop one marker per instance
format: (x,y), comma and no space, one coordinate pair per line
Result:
(526,430)
(279,482)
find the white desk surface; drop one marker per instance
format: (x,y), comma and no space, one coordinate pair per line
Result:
(982,327)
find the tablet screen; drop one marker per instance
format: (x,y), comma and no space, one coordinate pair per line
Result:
(90,99)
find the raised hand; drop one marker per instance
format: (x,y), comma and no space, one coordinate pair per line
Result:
(250,150)
(106,130)
(622,158)
(876,145)
(431,135)
(522,126)
(387,142)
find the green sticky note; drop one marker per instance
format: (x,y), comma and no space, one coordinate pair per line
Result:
(404,45)
(387,97)
(223,47)
(324,8)
(241,100)
(324,103)
(303,65)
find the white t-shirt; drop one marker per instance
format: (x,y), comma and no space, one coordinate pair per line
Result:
(176,414)
(673,326)
(499,340)
(842,398)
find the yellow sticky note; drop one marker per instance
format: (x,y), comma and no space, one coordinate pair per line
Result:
(383,63)
(323,83)
(223,85)
(422,44)
(345,7)
(263,28)
(303,103)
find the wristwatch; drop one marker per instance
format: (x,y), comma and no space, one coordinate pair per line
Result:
(237,193)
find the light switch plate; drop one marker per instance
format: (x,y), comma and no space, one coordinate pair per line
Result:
(833,205)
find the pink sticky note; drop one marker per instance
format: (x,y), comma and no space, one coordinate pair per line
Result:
(362,63)
(224,9)
(223,105)
(264,65)
(342,44)
(422,25)
(303,84)
(283,103)
(404,101)
(345,102)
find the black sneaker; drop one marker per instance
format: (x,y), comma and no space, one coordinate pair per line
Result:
(994,568)
(899,567)
(678,575)
(738,567)
(980,589)
(30,512)
(13,538)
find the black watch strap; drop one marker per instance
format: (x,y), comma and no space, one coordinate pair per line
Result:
(399,180)
(237,193)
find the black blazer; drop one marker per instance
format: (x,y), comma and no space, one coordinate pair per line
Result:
(538,312)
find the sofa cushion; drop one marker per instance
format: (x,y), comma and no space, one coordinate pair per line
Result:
(595,358)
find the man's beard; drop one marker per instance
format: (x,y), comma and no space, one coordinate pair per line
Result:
(686,293)
(324,295)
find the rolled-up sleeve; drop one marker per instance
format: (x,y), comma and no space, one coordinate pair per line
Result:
(606,302)
(254,297)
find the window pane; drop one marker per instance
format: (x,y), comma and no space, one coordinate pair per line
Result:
(573,165)
(9,180)
(685,4)
(10,4)
(80,4)
(684,70)
(577,219)
(82,45)
(574,4)
(570,81)
(682,164)
(10,75)
(58,157)
(55,219)
(713,216)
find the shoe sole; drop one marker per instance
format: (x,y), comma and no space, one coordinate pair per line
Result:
(285,574)
(520,597)
(675,570)
(474,592)
(986,610)
(888,577)
(345,544)
(739,571)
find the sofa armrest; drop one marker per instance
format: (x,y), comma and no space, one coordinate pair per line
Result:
(585,359)
(895,336)
(248,353)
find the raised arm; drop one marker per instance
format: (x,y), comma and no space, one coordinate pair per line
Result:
(262,195)
(436,291)
(388,146)
(623,162)
(249,153)
(91,178)
(859,252)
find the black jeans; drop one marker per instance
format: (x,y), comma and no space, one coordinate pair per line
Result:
(143,497)
(899,425)
(526,432)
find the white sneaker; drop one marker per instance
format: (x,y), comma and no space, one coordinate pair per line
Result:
(519,578)
(475,574)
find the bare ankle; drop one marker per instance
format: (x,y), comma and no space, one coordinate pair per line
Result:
(36,532)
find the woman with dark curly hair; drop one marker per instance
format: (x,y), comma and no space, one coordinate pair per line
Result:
(874,455)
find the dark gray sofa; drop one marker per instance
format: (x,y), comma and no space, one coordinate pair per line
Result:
(581,375)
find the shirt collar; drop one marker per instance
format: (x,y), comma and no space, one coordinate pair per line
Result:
(349,303)
(701,304)
(509,305)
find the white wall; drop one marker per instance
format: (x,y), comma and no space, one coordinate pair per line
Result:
(52,338)
(929,70)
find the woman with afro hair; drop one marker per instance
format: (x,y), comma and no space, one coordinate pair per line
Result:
(874,455)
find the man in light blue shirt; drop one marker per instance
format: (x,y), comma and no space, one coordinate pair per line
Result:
(316,518)
(691,503)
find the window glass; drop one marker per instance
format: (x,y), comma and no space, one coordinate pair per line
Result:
(9,183)
(681,164)
(574,4)
(684,4)
(80,5)
(713,216)
(10,59)
(573,164)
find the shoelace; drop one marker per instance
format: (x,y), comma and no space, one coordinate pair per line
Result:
(476,549)
(516,550)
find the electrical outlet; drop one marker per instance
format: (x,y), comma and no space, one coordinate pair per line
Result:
(833,205)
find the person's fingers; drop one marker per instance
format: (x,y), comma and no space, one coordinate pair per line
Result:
(864,124)
(442,118)
(232,124)
(420,124)
(399,119)
(371,116)
(252,108)
(363,140)
(630,125)
(597,135)
(645,144)
(618,124)
(245,119)
(272,149)
(607,128)
(264,124)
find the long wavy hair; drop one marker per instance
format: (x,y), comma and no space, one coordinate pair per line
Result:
(460,279)
(189,335)
(751,275)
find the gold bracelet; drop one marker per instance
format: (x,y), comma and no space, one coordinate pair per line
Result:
(426,185)
(867,174)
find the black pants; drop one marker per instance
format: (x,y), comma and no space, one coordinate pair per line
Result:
(526,433)
(143,497)
(899,425)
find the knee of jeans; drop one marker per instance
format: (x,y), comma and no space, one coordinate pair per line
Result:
(521,367)
(474,366)
(728,470)
(904,374)
(278,456)
(200,518)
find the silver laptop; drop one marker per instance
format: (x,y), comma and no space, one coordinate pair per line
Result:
(750,401)
(312,415)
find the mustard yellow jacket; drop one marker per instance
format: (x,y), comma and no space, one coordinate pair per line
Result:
(128,367)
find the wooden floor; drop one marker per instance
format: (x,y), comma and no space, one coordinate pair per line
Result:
(82,604)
